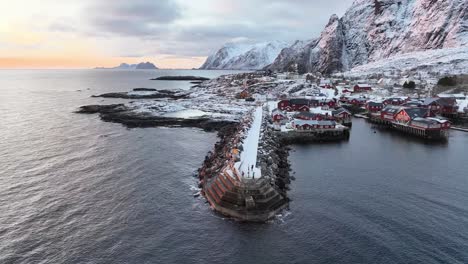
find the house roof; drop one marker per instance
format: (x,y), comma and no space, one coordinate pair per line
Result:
(371,103)
(359,99)
(412,104)
(429,101)
(339,111)
(300,122)
(276,111)
(416,112)
(391,109)
(447,101)
(363,85)
(299,101)
(306,114)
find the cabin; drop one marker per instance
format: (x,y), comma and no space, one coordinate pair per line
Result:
(358,101)
(278,115)
(389,112)
(374,106)
(359,88)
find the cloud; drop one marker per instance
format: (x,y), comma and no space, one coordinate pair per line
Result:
(134,28)
(132,18)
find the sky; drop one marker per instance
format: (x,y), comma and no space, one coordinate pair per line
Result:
(169,33)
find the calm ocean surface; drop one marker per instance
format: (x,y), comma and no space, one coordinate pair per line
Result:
(74,189)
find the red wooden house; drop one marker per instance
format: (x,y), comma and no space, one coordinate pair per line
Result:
(405,115)
(342,115)
(359,88)
(294,105)
(278,115)
(443,106)
(389,112)
(395,101)
(328,102)
(358,101)
(374,106)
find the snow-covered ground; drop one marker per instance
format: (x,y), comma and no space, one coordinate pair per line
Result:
(248,156)
(443,61)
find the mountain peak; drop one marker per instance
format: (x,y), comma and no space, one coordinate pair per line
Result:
(372,30)
(244,56)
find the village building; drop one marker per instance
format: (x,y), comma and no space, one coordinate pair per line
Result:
(357,101)
(294,105)
(388,113)
(374,106)
(342,116)
(309,116)
(326,84)
(307,125)
(443,106)
(359,88)
(396,100)
(405,115)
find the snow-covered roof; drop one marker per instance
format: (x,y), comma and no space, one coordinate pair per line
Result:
(299,122)
(363,85)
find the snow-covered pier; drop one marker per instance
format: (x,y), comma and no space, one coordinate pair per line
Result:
(247,165)
(234,184)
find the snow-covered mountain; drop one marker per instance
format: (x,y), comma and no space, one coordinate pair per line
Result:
(239,56)
(373,30)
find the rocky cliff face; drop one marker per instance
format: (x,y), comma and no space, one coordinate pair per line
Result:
(372,30)
(235,56)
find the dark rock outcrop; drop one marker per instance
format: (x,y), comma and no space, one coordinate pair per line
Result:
(180,78)
(122,114)
(156,94)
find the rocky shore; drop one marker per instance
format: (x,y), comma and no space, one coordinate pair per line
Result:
(146,93)
(122,114)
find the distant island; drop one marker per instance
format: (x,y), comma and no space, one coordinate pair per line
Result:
(126,66)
